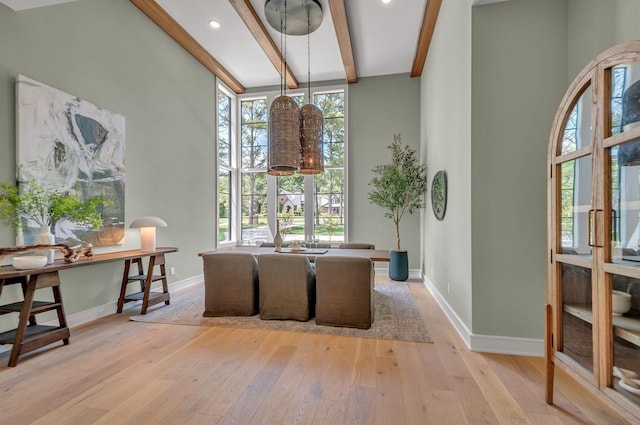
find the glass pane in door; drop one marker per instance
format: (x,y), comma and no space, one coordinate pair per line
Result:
(577,129)
(625,307)
(575,193)
(575,203)
(625,202)
(577,316)
(625,97)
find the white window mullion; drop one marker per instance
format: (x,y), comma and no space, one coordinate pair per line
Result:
(309,207)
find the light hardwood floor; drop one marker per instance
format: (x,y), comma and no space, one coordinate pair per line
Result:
(120,372)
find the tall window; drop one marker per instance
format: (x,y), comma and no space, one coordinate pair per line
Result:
(254,140)
(307,206)
(226,167)
(329,214)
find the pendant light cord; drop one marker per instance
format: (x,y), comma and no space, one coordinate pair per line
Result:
(308,55)
(285,47)
(281,58)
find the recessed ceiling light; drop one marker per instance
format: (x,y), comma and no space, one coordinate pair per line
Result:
(214,24)
(386,1)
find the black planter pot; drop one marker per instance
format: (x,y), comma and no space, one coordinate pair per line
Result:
(399,265)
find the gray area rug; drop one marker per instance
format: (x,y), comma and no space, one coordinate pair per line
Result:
(396,317)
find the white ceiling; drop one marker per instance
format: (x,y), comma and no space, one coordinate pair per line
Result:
(383,37)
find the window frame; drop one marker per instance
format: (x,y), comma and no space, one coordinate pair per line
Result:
(309,180)
(232,167)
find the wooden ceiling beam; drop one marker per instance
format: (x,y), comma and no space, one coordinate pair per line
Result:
(341,24)
(431,11)
(169,25)
(260,33)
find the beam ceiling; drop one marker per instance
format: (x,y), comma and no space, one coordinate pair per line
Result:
(250,17)
(259,32)
(426,33)
(340,22)
(182,37)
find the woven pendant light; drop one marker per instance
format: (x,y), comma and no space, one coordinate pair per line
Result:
(284,119)
(311,124)
(311,129)
(284,135)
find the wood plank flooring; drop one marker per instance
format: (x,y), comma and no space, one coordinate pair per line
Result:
(120,372)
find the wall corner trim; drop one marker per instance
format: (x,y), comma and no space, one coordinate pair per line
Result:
(486,343)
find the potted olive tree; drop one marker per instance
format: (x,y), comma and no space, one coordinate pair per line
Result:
(45,207)
(400,188)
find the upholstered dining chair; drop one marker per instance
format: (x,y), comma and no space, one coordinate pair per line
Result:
(344,291)
(230,284)
(287,287)
(356,245)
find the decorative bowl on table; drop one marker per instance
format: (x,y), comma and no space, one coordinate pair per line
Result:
(25,262)
(620,302)
(297,246)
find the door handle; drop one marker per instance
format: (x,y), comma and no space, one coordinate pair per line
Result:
(592,229)
(614,225)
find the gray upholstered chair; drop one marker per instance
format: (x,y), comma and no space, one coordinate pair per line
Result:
(344,291)
(287,287)
(230,284)
(356,245)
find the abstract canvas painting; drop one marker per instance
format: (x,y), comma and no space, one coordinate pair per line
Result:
(72,146)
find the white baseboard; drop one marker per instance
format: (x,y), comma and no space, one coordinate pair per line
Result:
(507,345)
(486,343)
(413,273)
(95,313)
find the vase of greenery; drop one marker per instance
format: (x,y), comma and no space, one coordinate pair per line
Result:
(399,187)
(46,207)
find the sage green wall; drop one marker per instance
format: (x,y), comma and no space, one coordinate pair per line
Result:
(109,53)
(378,108)
(446,145)
(488,97)
(596,25)
(522,57)
(519,68)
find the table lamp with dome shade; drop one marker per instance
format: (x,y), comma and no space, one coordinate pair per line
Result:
(147,226)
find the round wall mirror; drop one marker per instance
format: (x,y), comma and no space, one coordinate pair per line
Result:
(439,194)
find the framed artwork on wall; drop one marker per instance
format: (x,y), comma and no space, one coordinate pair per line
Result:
(70,145)
(439,194)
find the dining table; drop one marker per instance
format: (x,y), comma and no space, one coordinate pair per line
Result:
(381,255)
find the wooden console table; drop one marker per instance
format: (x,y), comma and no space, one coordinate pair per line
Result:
(29,336)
